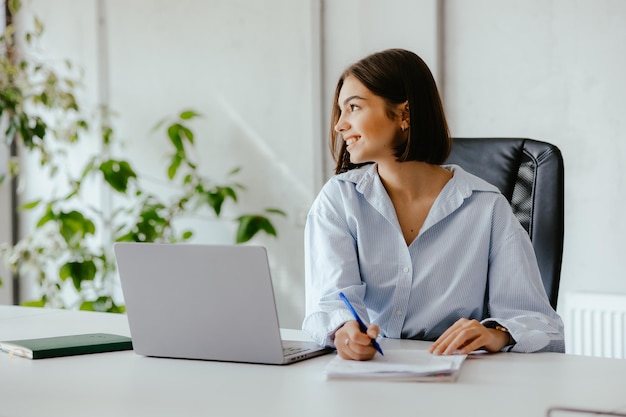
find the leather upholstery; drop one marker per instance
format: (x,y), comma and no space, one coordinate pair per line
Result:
(529,173)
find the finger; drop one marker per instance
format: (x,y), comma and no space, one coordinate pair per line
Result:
(356,336)
(464,340)
(447,336)
(341,336)
(457,325)
(361,347)
(457,345)
(440,343)
(351,343)
(342,344)
(343,348)
(461,333)
(476,344)
(373,331)
(355,351)
(477,336)
(443,343)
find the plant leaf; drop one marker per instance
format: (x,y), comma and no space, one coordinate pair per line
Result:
(275,211)
(35,303)
(48,216)
(74,225)
(29,206)
(215,201)
(14,6)
(78,272)
(87,306)
(173,132)
(250,225)
(174,165)
(189,114)
(187,133)
(227,192)
(117,174)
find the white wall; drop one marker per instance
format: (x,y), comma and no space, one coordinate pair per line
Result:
(553,71)
(248,67)
(353,29)
(550,70)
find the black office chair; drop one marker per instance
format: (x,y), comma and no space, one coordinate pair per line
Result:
(529,173)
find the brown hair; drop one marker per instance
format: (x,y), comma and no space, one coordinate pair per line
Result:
(398,75)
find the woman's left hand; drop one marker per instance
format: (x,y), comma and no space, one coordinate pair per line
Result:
(465,336)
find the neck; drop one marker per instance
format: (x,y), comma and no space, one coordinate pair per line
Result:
(413,179)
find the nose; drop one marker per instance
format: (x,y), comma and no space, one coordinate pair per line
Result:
(341,125)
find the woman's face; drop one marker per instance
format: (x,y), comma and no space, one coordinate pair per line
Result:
(364,123)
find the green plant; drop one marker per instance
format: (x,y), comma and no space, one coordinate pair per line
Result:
(69,247)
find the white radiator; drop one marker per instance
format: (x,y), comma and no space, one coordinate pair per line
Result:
(595,324)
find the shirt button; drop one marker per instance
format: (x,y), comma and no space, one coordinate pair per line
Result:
(398,312)
(406,269)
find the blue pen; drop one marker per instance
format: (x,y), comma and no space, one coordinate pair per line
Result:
(362,325)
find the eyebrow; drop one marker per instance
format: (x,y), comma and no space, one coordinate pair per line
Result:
(352,98)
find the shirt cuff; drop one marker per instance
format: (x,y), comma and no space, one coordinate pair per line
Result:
(321,325)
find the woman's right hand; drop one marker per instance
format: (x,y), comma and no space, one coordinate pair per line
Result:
(351,343)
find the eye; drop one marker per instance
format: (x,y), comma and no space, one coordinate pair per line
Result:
(354,107)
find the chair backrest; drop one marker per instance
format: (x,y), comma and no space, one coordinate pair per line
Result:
(529,173)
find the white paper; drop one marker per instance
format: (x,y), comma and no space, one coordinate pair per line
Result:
(399,364)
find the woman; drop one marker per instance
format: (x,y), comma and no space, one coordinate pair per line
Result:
(421,250)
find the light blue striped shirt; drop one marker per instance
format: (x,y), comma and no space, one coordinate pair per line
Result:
(471,259)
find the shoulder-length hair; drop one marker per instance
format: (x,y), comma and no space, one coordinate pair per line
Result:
(398,75)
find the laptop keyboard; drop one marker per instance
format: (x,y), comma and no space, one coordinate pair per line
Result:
(292,350)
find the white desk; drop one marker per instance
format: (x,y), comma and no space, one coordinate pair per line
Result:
(126,384)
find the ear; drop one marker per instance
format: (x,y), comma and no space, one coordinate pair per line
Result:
(405,111)
(404,115)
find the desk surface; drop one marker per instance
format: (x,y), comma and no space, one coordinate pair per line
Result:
(126,384)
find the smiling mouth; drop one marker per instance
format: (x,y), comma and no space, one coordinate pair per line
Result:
(350,141)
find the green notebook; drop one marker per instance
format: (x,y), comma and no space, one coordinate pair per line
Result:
(80,344)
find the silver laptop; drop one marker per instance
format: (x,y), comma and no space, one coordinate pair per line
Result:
(210,302)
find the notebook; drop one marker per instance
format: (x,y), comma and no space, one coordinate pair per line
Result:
(79,344)
(208,302)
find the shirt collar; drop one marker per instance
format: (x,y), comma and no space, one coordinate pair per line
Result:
(462,181)
(460,187)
